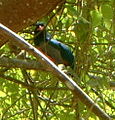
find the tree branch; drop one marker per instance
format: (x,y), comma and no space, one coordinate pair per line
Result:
(77,91)
(109,104)
(20,63)
(31,87)
(18,14)
(35,65)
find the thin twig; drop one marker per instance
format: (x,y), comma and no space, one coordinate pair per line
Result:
(11,106)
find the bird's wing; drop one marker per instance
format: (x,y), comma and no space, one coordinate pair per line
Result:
(64,50)
(52,49)
(48,37)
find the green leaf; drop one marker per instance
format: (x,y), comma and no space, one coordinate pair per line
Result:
(107,11)
(2,94)
(71,10)
(96,18)
(71,1)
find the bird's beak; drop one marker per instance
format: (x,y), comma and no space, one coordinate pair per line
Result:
(40,28)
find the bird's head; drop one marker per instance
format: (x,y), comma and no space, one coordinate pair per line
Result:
(40,34)
(39,27)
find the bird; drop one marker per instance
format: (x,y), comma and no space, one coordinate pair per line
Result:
(56,51)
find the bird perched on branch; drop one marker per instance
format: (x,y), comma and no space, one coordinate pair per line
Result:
(56,51)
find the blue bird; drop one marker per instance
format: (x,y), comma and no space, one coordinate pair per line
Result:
(56,51)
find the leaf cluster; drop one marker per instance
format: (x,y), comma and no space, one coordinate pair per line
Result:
(88,28)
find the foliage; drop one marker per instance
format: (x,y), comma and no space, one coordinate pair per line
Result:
(88,28)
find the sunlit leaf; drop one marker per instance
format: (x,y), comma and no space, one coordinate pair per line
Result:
(96,18)
(2,94)
(107,11)
(71,10)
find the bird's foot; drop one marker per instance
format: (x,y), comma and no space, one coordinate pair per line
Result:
(61,67)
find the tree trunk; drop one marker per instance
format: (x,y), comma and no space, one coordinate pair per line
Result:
(18,14)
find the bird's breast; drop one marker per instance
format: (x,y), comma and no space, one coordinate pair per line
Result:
(51,52)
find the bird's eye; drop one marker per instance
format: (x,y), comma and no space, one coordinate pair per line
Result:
(41,25)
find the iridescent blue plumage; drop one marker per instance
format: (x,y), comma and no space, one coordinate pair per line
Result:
(57,51)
